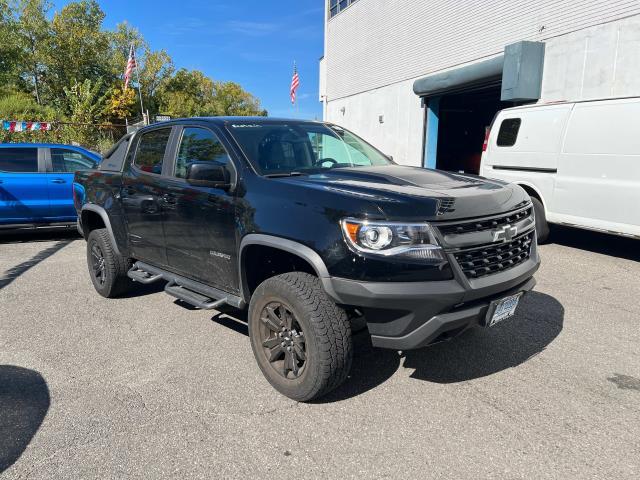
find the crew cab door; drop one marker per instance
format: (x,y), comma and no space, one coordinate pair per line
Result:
(199,220)
(23,187)
(61,165)
(143,187)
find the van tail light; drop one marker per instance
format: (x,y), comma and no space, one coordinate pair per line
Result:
(485,144)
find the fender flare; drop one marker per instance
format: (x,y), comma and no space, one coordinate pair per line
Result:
(90,207)
(290,246)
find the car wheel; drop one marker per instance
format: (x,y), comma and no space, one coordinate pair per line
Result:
(300,338)
(107,269)
(542,227)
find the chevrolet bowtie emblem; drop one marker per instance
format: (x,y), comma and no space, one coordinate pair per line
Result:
(505,234)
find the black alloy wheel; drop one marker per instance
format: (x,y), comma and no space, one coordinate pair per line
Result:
(98,264)
(300,338)
(283,341)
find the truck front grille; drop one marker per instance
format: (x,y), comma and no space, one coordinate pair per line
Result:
(481,225)
(481,261)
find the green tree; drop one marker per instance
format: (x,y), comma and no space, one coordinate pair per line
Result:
(79,49)
(231,99)
(86,106)
(192,93)
(33,37)
(157,68)
(120,104)
(9,50)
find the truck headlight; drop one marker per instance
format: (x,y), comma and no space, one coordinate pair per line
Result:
(412,241)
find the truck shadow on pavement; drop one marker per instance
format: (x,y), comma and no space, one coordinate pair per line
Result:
(24,402)
(596,242)
(14,272)
(478,352)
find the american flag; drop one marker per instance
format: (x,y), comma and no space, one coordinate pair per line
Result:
(295,83)
(131,64)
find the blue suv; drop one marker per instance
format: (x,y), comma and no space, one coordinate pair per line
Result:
(36,183)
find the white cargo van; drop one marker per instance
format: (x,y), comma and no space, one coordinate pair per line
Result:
(580,162)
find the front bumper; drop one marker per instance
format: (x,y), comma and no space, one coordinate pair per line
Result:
(409,315)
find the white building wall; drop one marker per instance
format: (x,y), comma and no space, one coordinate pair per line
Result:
(400,134)
(598,62)
(375,49)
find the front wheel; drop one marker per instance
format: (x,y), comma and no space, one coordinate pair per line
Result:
(300,338)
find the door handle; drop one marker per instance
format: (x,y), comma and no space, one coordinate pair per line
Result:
(58,180)
(169,198)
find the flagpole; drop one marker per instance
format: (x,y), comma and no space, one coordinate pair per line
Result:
(145,119)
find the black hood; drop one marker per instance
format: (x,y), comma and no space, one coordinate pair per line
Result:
(417,193)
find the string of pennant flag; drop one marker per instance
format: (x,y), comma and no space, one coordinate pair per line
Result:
(13,126)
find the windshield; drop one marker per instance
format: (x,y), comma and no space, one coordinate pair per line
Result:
(294,148)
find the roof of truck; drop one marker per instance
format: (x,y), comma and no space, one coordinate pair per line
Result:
(255,119)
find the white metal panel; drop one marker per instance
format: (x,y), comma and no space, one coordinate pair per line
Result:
(540,132)
(598,180)
(607,127)
(375,43)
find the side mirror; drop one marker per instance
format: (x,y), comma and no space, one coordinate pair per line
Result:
(205,174)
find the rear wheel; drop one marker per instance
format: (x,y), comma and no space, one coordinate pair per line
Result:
(542,227)
(300,338)
(107,269)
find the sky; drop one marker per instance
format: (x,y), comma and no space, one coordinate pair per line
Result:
(251,42)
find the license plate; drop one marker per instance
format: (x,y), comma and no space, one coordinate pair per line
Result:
(503,309)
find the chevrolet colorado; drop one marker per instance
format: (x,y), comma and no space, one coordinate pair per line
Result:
(310,228)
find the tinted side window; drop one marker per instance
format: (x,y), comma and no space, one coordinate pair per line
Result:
(19,160)
(150,152)
(199,145)
(69,161)
(508,132)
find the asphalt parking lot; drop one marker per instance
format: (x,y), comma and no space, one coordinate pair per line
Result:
(142,387)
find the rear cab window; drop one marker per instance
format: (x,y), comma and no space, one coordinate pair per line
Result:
(508,133)
(150,150)
(19,160)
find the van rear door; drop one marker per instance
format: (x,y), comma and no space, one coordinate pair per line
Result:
(524,146)
(598,182)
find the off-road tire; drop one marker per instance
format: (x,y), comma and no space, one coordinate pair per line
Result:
(115,281)
(326,329)
(542,227)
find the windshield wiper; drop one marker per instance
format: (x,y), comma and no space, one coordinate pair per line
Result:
(284,174)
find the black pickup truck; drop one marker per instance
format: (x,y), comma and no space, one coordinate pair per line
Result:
(313,230)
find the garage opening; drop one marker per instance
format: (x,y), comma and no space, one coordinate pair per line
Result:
(463,120)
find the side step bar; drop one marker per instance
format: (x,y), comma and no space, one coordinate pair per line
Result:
(190,291)
(141,276)
(193,298)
